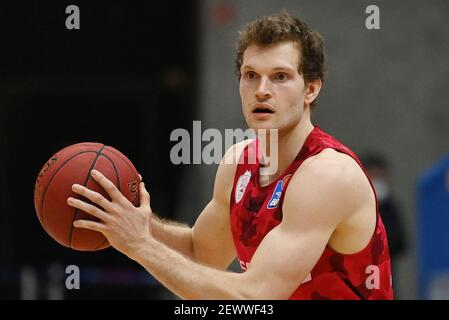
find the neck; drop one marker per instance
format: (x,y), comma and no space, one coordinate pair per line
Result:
(289,144)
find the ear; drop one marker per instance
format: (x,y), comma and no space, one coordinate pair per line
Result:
(312,90)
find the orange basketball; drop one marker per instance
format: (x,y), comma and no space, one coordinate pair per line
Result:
(54,185)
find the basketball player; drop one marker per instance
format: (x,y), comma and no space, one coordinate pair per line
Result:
(311,230)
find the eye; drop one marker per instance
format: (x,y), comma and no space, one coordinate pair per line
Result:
(281,76)
(251,75)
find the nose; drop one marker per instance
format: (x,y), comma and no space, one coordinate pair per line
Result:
(263,91)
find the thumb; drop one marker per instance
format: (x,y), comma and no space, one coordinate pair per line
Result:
(144,195)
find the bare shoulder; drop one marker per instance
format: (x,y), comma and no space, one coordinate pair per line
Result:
(329,160)
(232,155)
(335,169)
(330,182)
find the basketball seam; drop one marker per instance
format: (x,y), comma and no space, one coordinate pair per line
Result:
(126,162)
(115,169)
(120,157)
(118,186)
(101,244)
(75,212)
(51,179)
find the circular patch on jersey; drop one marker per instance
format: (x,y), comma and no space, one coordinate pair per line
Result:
(240,187)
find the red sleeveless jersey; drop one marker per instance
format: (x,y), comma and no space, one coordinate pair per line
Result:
(255,210)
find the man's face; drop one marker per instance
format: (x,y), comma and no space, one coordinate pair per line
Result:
(271,89)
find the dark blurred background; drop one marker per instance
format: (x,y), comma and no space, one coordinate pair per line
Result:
(135,71)
(127,78)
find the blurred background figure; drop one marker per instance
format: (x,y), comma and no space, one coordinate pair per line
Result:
(379,171)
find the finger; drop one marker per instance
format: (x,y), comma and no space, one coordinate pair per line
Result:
(140,177)
(91,225)
(93,196)
(144,195)
(90,209)
(108,186)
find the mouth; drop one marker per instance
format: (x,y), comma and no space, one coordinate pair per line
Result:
(262,108)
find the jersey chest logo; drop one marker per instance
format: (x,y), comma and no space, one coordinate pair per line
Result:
(277,193)
(241,185)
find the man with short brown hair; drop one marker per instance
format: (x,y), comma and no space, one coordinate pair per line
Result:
(309,230)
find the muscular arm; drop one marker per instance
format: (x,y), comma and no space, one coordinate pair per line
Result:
(175,235)
(285,256)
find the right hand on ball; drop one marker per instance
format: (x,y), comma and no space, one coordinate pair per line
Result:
(125,226)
